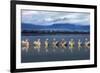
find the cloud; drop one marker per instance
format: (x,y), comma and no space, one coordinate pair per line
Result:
(24,12)
(50,17)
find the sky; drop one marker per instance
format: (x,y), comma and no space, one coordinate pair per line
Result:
(38,17)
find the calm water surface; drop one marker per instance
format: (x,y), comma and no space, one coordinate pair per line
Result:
(55,54)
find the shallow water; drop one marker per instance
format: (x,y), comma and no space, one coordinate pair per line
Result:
(55,54)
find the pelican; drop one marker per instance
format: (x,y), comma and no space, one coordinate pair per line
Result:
(25,44)
(87,43)
(46,44)
(63,43)
(54,44)
(79,44)
(37,44)
(71,44)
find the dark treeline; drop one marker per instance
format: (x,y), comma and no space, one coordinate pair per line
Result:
(52,32)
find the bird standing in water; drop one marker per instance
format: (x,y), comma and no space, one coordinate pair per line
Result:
(71,44)
(46,45)
(87,43)
(25,44)
(37,44)
(79,44)
(54,44)
(63,43)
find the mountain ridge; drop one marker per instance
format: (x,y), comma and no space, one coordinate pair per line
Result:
(56,27)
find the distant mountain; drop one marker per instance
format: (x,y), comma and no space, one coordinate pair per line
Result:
(56,27)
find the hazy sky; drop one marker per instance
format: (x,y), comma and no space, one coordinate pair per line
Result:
(51,17)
